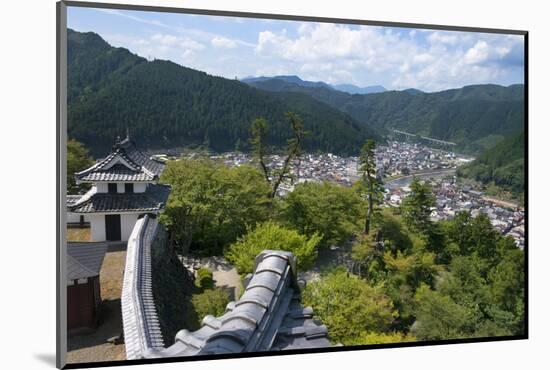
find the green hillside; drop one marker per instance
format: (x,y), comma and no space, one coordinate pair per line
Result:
(166,105)
(503,165)
(475,117)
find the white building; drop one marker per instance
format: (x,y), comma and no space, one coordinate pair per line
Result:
(123,188)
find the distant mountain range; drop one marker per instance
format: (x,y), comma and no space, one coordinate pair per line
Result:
(352,89)
(166,105)
(348,88)
(475,117)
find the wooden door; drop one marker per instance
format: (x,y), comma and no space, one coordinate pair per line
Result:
(112,227)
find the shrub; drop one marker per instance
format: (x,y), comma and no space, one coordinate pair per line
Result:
(210,302)
(270,235)
(204,278)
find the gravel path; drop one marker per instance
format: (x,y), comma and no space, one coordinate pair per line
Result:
(224,274)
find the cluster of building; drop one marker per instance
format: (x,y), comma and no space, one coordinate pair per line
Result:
(399,158)
(307,168)
(394,159)
(452,197)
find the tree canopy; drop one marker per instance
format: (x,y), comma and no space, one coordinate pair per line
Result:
(270,235)
(349,306)
(330,210)
(210,205)
(78,159)
(417,206)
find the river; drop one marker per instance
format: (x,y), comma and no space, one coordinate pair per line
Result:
(406,180)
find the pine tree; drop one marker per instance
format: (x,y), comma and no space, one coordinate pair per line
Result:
(370,187)
(417,206)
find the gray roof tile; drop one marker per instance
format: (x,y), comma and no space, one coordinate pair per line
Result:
(84,260)
(268,316)
(124,163)
(264,318)
(153,199)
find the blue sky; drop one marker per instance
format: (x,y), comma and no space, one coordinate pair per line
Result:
(397,58)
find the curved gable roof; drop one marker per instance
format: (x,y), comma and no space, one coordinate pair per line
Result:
(124,163)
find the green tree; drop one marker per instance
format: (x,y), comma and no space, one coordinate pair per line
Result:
(270,235)
(369,187)
(381,338)
(349,306)
(77,160)
(390,236)
(210,302)
(210,205)
(330,210)
(417,206)
(259,130)
(368,256)
(506,286)
(474,235)
(439,317)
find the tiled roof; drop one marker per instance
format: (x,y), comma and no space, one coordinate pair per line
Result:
(153,199)
(124,163)
(267,317)
(84,259)
(72,199)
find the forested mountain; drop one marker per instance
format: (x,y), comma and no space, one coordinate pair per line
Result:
(352,89)
(166,105)
(290,79)
(503,165)
(475,117)
(348,88)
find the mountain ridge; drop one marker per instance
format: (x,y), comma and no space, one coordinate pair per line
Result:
(476,117)
(503,165)
(345,87)
(167,105)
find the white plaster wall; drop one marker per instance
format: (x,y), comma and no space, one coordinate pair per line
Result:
(140,187)
(72,217)
(127,223)
(97,228)
(101,187)
(75,218)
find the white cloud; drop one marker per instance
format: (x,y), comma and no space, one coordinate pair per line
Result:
(443,37)
(222,42)
(400,60)
(334,53)
(164,39)
(188,54)
(478,53)
(129,15)
(191,44)
(423,58)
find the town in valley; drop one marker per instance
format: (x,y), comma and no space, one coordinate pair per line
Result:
(397,163)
